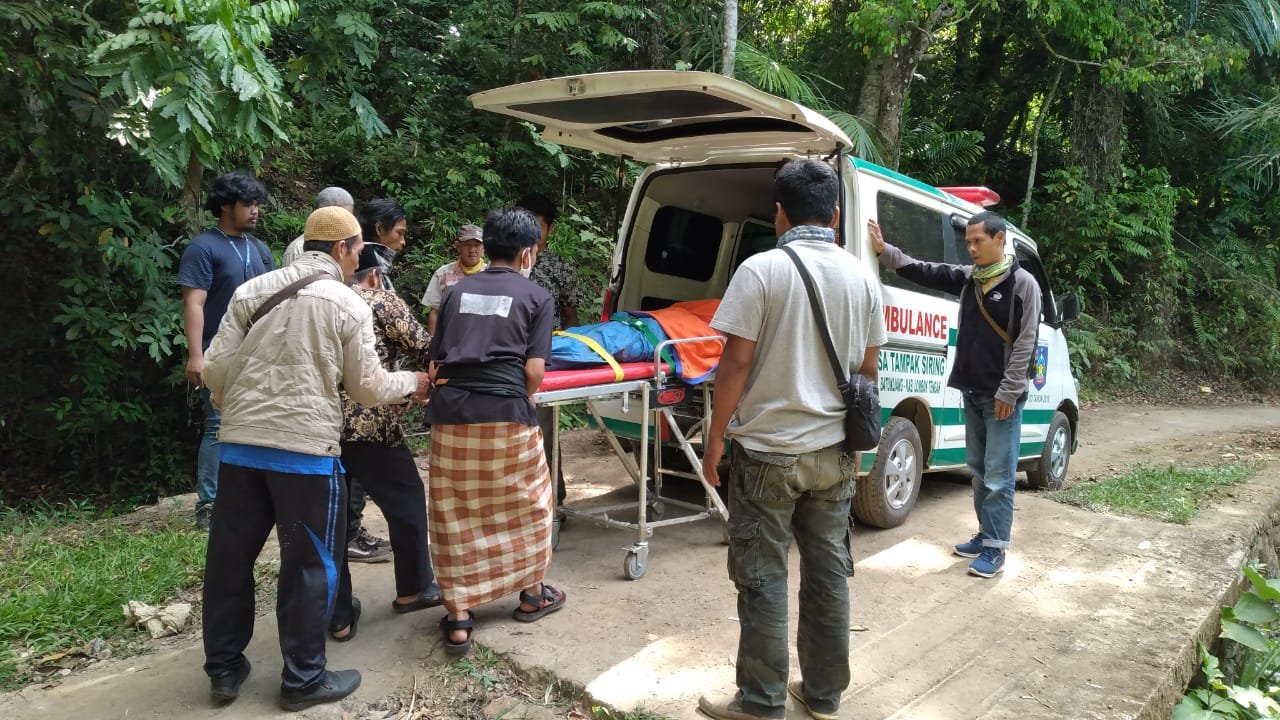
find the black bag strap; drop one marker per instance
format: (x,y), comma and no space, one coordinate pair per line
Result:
(977,294)
(820,315)
(285,293)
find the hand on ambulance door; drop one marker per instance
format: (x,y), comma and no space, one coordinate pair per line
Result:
(877,237)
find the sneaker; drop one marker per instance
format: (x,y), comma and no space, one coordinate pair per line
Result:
(730,708)
(226,688)
(334,686)
(369,538)
(204,516)
(361,551)
(988,564)
(796,688)
(971,548)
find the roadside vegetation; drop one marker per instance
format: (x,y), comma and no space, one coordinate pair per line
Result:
(1240,682)
(64,576)
(1169,494)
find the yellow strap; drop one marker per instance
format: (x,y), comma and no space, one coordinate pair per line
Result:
(598,349)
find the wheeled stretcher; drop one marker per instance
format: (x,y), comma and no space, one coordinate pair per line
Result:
(675,410)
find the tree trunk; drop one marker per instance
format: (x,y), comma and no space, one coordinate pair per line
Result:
(888,80)
(189,198)
(1097,129)
(730,38)
(655,31)
(1035,145)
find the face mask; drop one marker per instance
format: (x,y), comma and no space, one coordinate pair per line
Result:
(526,271)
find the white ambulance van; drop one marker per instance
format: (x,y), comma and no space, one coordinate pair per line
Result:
(705,203)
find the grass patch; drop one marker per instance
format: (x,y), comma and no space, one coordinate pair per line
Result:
(1168,494)
(65,575)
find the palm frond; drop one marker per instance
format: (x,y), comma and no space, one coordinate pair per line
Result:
(936,154)
(866,142)
(1259,22)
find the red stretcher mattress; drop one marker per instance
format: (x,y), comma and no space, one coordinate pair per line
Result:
(595,375)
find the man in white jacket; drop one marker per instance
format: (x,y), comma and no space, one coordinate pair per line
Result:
(283,350)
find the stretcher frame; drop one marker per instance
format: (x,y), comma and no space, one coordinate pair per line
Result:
(648,392)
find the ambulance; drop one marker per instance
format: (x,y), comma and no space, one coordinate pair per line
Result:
(704,204)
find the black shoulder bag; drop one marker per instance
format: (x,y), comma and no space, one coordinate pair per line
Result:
(862,423)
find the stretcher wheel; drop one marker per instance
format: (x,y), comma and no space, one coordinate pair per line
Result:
(657,509)
(636,563)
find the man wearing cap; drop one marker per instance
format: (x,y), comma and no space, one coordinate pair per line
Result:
(374,451)
(328,197)
(470,247)
(274,369)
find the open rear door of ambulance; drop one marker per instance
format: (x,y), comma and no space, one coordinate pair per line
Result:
(666,116)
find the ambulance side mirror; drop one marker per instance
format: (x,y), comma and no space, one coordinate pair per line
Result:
(1069,309)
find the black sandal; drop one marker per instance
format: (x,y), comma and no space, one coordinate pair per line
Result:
(355,620)
(548,602)
(448,626)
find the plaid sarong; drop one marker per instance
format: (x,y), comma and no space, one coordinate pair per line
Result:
(491,508)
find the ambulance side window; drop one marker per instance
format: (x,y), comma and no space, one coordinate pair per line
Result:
(683,243)
(922,233)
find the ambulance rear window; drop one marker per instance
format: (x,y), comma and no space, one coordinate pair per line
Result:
(916,230)
(684,243)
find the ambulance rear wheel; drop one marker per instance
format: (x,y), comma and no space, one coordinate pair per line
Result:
(1050,470)
(886,495)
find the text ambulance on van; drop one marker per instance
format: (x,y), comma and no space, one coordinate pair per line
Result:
(705,203)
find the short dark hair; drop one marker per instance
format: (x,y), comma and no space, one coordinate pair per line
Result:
(380,211)
(231,188)
(507,231)
(991,222)
(325,246)
(362,275)
(539,205)
(807,190)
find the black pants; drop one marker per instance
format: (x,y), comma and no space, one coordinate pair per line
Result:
(391,478)
(355,507)
(308,514)
(546,420)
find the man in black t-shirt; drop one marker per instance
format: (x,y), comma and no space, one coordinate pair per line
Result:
(214,264)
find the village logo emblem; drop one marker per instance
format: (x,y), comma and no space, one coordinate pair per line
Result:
(1042,366)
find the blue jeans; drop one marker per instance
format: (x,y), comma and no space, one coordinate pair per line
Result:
(774,498)
(991,450)
(210,451)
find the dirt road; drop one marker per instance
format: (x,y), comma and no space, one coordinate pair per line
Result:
(1087,620)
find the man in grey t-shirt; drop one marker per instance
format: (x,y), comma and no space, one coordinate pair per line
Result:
(776,400)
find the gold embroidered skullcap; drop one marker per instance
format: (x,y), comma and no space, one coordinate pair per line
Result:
(331,223)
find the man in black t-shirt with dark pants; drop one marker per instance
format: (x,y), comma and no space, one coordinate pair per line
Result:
(214,264)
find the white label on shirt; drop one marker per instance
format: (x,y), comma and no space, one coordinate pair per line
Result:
(499,305)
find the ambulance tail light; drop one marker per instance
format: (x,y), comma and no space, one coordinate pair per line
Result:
(978,195)
(606,304)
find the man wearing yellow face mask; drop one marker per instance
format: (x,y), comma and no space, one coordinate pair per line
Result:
(470,247)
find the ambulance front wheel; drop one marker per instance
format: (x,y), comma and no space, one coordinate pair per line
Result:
(886,495)
(1050,470)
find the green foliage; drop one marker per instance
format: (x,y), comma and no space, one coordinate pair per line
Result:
(1167,494)
(1252,624)
(87,570)
(191,78)
(937,155)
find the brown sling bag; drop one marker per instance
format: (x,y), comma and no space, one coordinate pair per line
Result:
(285,293)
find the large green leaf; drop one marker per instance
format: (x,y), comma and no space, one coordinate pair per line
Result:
(1244,635)
(1254,610)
